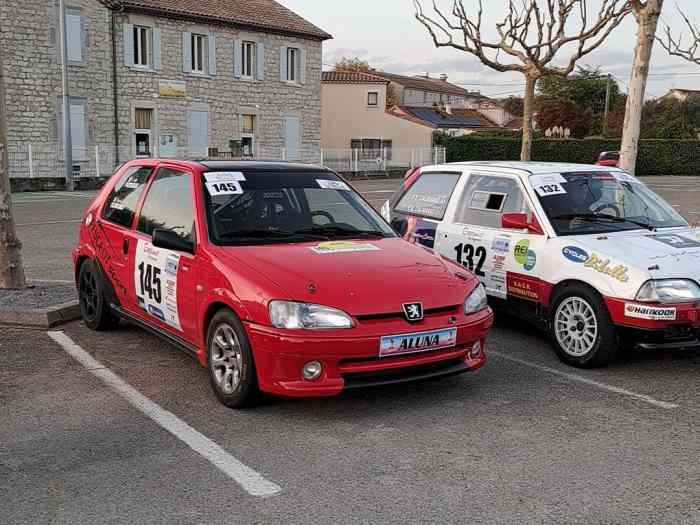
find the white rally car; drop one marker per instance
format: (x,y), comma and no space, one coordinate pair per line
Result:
(587,252)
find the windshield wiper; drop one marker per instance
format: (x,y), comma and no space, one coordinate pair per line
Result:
(594,217)
(337,231)
(270,234)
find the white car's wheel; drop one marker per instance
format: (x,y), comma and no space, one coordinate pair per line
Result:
(582,331)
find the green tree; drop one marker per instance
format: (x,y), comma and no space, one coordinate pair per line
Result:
(565,114)
(671,119)
(587,89)
(351,64)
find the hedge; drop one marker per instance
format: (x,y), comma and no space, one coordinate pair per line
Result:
(656,157)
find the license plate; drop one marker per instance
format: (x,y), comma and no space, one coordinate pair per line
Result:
(417,342)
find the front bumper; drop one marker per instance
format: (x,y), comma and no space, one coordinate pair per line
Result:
(351,359)
(682,331)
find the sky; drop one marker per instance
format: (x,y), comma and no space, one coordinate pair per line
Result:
(386,34)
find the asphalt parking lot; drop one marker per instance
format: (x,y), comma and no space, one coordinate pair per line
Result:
(122,428)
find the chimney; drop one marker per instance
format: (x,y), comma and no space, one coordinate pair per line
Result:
(443,77)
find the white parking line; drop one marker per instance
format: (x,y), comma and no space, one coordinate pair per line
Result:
(48,223)
(251,481)
(590,382)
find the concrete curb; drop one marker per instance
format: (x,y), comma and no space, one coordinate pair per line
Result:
(41,317)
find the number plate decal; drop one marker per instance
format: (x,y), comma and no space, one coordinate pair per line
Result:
(155,282)
(417,342)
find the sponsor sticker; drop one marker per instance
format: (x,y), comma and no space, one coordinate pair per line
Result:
(500,245)
(651,313)
(523,288)
(224,176)
(524,256)
(675,241)
(333,185)
(624,177)
(548,185)
(595,262)
(344,247)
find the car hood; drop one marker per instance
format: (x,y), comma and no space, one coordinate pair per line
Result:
(666,253)
(361,277)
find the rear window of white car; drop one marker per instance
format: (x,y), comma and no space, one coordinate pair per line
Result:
(429,195)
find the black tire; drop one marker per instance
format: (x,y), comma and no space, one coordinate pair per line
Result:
(93,306)
(571,312)
(236,358)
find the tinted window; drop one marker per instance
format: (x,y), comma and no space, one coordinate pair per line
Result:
(121,203)
(286,207)
(602,202)
(168,205)
(429,195)
(486,198)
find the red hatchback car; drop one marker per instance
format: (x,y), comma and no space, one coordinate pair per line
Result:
(277,277)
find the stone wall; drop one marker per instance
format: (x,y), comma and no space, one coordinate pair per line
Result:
(29,40)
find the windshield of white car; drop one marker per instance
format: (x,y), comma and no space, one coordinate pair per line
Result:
(287,207)
(602,202)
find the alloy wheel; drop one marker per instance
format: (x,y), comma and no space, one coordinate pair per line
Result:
(226,358)
(89,294)
(576,327)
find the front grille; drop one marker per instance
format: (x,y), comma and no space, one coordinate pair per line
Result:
(401,375)
(443,310)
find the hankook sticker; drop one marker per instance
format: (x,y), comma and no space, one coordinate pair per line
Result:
(651,313)
(333,185)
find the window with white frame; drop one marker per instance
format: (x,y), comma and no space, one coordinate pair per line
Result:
(143,124)
(293,64)
(74,35)
(198,53)
(373,98)
(248,135)
(250,59)
(142,46)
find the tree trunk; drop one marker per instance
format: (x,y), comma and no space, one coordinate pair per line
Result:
(11,269)
(647,22)
(529,109)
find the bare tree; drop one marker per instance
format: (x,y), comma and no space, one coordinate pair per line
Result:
(646,13)
(529,39)
(676,46)
(11,269)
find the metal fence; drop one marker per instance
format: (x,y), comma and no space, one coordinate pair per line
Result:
(45,160)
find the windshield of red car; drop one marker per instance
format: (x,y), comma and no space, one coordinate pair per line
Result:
(601,202)
(285,207)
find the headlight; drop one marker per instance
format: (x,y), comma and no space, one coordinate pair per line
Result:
(288,314)
(669,291)
(476,301)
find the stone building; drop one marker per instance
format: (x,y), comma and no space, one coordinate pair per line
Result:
(155,78)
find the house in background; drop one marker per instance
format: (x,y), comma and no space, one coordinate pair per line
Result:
(426,91)
(446,119)
(156,78)
(682,94)
(356,125)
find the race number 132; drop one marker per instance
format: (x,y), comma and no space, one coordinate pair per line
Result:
(471,257)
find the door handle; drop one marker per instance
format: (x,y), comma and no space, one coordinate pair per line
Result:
(125,247)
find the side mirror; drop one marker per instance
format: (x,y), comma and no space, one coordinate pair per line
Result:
(520,221)
(172,241)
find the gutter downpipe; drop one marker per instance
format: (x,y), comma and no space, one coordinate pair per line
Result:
(115,91)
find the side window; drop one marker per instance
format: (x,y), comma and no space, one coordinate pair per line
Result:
(168,205)
(486,198)
(121,203)
(429,195)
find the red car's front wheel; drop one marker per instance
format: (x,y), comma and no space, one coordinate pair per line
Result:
(230,361)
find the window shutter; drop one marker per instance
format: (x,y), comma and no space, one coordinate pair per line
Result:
(260,53)
(156,49)
(187,52)
(128,45)
(283,63)
(238,58)
(292,139)
(302,65)
(212,54)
